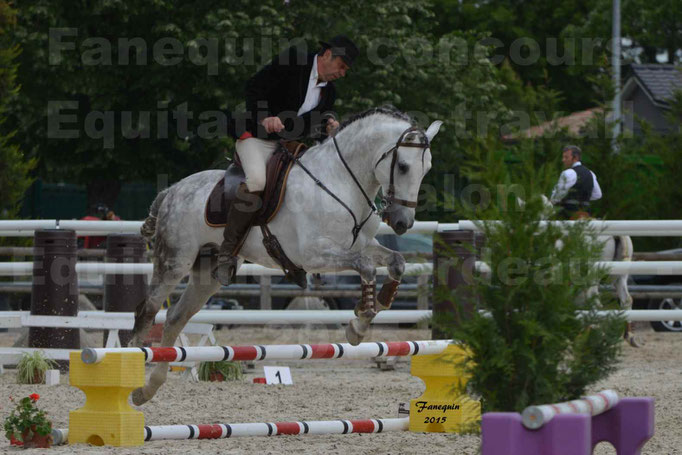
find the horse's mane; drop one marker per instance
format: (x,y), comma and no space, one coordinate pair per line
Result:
(388,109)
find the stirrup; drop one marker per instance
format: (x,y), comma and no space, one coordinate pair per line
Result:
(226,270)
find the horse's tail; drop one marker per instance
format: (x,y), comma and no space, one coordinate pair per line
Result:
(148,228)
(624,248)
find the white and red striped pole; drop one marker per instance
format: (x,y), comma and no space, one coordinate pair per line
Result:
(534,417)
(276,352)
(222,431)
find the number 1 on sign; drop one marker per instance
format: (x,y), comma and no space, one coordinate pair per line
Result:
(278,375)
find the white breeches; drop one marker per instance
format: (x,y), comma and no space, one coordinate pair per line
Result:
(254,154)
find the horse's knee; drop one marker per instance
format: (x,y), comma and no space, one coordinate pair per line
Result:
(365,267)
(396,266)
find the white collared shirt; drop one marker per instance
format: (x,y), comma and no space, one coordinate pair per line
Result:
(567,179)
(314,92)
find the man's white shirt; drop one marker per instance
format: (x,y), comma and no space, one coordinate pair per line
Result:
(567,179)
(314,92)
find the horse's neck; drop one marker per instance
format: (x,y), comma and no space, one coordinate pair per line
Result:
(360,149)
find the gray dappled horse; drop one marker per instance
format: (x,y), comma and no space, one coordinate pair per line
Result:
(381,148)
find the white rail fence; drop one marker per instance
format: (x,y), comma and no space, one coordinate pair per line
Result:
(655,228)
(635,228)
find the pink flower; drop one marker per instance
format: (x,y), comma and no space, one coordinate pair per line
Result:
(34,397)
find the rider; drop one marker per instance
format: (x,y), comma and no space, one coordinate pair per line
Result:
(290,98)
(577,186)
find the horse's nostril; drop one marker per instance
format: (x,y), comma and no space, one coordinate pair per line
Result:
(401,225)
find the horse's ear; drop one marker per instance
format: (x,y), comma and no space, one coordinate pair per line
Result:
(433,129)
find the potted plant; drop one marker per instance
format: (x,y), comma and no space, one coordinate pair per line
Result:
(27,425)
(32,367)
(220,371)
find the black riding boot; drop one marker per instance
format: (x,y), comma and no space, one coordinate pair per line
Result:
(239,219)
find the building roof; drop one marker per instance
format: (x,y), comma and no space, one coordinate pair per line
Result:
(658,81)
(574,123)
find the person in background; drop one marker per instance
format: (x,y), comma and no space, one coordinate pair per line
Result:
(98,212)
(577,186)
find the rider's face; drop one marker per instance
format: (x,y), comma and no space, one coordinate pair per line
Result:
(567,159)
(330,68)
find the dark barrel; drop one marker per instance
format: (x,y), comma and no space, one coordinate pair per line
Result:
(55,288)
(453,266)
(123,293)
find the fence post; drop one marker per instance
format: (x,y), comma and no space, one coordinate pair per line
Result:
(453,266)
(265,292)
(124,293)
(423,297)
(55,288)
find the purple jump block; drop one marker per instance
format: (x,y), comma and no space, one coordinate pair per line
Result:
(628,426)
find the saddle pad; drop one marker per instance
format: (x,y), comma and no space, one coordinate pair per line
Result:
(215,213)
(277,171)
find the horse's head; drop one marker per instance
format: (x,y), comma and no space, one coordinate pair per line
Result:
(400,171)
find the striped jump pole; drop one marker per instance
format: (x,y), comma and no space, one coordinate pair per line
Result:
(534,417)
(223,431)
(275,352)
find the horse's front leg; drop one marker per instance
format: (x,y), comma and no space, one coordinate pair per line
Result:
(395,262)
(369,305)
(365,309)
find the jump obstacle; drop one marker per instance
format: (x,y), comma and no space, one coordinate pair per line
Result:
(534,417)
(234,430)
(275,352)
(571,428)
(107,418)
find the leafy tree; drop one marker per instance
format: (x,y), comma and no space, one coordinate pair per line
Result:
(527,343)
(531,37)
(652,30)
(423,74)
(14,167)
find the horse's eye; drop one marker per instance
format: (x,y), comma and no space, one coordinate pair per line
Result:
(403,168)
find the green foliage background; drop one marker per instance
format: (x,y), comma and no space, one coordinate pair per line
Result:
(422,67)
(14,165)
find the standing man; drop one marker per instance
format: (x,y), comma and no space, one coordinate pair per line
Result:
(290,98)
(577,186)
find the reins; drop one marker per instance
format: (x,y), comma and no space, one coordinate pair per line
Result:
(391,199)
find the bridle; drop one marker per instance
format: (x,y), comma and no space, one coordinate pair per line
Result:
(390,198)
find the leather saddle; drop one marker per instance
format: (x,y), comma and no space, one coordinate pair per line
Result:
(224,194)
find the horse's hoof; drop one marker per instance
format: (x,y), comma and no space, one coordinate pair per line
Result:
(356,331)
(138,397)
(352,336)
(634,341)
(135,342)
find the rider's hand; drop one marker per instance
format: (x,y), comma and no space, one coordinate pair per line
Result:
(332,125)
(272,124)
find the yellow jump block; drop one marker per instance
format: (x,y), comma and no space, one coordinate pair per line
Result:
(443,407)
(107,418)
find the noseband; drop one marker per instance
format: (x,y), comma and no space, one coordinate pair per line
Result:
(390,198)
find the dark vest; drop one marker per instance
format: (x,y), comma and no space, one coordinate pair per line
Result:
(578,196)
(279,89)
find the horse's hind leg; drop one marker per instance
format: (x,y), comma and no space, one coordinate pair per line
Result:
(167,274)
(199,289)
